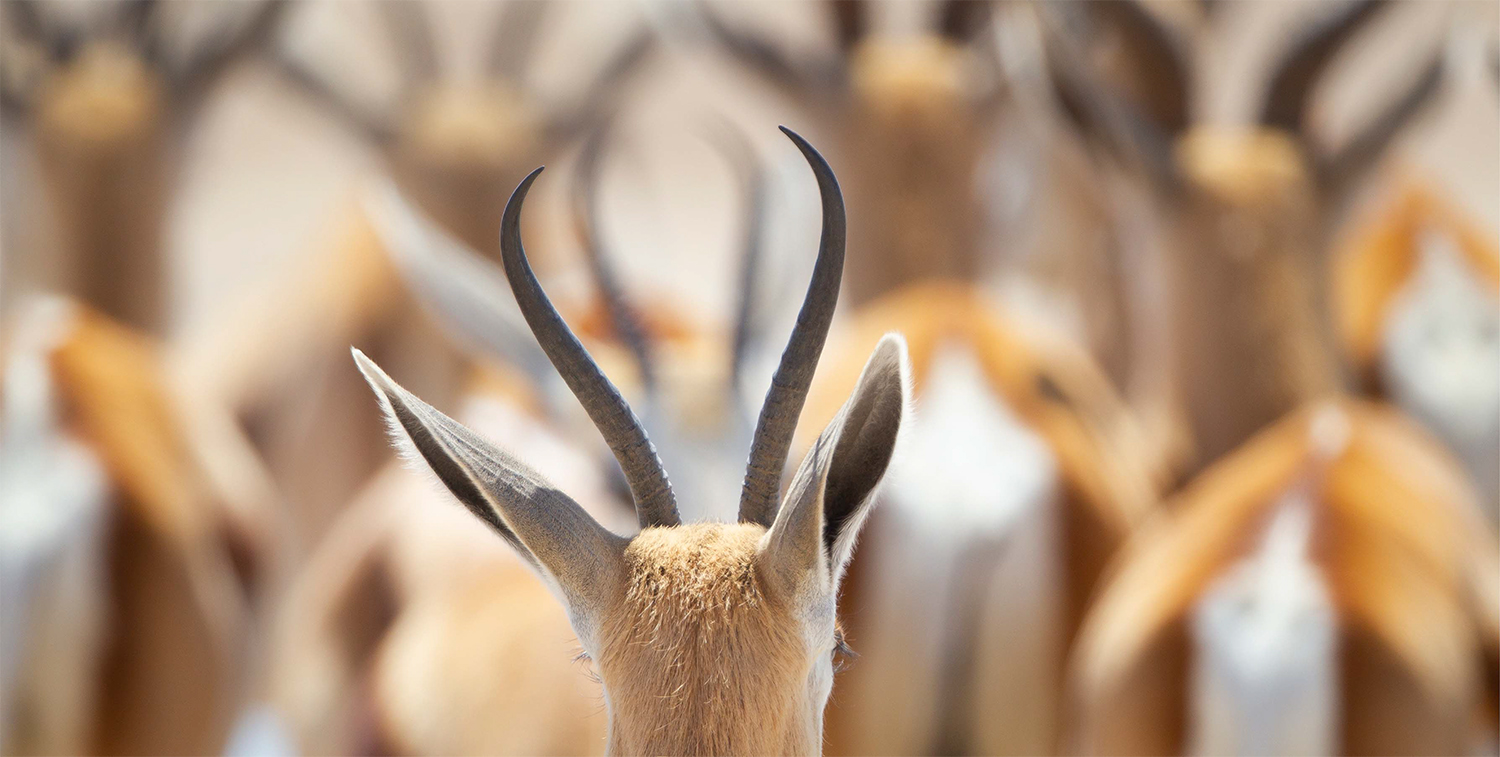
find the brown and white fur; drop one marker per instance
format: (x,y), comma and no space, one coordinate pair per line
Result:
(1416,293)
(1359,581)
(1016,483)
(133,574)
(1385,592)
(708,637)
(1238,360)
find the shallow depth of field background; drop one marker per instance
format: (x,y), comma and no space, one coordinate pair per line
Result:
(266,177)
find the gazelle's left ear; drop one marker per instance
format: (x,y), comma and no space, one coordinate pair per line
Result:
(834,487)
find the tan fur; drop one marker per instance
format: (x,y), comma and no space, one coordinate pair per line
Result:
(912,144)
(460,152)
(413,628)
(1376,258)
(697,602)
(169,680)
(1252,339)
(485,666)
(1397,535)
(100,128)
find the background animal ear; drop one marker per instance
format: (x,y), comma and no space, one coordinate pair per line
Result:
(835,486)
(466,294)
(577,556)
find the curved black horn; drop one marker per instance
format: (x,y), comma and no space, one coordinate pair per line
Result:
(778,415)
(655,504)
(1304,62)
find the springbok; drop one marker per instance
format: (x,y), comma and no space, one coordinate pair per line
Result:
(455,147)
(946,164)
(1416,297)
(400,592)
(1325,584)
(988,549)
(1330,587)
(1048,459)
(707,637)
(129,566)
(103,97)
(1251,337)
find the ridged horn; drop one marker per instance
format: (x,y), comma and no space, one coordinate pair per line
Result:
(778,415)
(655,504)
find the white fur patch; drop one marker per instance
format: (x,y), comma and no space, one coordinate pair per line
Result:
(1265,673)
(53,505)
(1442,359)
(968,466)
(968,537)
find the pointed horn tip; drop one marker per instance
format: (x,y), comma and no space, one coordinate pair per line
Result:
(513,205)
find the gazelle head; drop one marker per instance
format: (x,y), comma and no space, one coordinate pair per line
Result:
(458,144)
(709,638)
(915,115)
(101,86)
(1249,208)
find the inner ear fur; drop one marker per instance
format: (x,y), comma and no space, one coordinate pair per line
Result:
(866,441)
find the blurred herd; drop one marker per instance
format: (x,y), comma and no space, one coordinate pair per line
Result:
(1201,298)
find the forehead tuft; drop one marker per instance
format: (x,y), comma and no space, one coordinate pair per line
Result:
(703,574)
(695,558)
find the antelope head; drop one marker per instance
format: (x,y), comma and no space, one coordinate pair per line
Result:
(456,146)
(102,93)
(1249,209)
(711,637)
(914,117)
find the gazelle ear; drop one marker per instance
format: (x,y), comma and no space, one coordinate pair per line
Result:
(579,557)
(835,486)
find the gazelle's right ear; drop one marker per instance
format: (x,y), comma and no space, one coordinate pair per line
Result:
(579,557)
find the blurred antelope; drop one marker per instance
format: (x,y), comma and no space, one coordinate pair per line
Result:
(131,557)
(945,169)
(403,594)
(1251,330)
(105,97)
(1328,588)
(707,637)
(1016,483)
(1416,294)
(1325,585)
(454,145)
(987,554)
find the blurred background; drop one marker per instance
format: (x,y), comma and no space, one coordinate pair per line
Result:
(1203,300)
